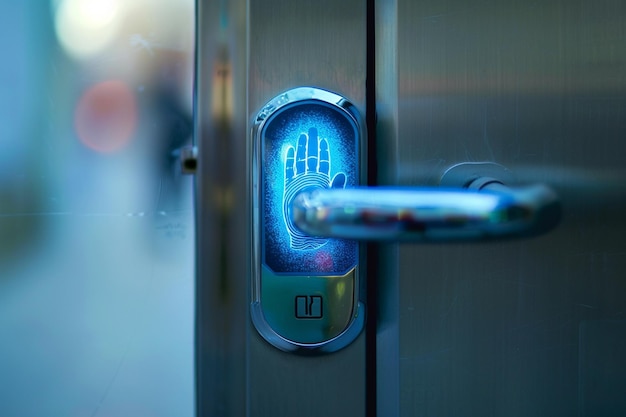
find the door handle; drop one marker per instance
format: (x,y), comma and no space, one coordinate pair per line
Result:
(482,210)
(308,149)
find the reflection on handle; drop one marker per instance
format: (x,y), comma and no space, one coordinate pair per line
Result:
(490,210)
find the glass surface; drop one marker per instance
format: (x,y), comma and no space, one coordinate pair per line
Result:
(306,145)
(96,222)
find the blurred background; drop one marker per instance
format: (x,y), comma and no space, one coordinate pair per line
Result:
(96,221)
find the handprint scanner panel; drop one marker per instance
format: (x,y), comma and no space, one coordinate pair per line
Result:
(305,289)
(307,166)
(305,146)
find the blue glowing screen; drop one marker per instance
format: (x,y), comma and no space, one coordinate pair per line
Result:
(308,144)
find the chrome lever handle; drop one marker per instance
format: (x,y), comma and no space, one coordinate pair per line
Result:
(485,210)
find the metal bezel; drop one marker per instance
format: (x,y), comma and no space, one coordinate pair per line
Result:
(354,328)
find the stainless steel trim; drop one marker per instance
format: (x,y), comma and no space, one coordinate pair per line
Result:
(221,200)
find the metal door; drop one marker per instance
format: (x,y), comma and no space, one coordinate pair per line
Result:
(517,328)
(507,328)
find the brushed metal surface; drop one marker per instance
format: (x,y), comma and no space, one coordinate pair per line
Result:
(248,53)
(386,93)
(540,87)
(306,43)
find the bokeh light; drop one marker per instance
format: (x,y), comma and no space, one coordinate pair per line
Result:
(106,116)
(86,27)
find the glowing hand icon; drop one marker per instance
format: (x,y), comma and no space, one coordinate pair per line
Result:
(307,167)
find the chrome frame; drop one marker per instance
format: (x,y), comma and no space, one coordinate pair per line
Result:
(355,326)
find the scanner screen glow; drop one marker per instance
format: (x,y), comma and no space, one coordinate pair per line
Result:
(308,144)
